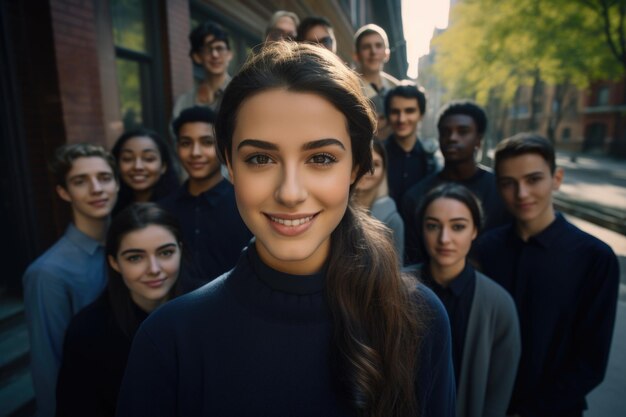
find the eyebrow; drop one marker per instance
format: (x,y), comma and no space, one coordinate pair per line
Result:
(134,250)
(530,174)
(88,174)
(456,219)
(315,144)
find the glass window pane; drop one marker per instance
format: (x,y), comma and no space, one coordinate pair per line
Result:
(129,29)
(129,86)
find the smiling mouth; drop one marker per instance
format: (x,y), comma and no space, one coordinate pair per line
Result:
(291,222)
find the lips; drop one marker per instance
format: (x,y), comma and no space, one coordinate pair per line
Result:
(291,224)
(99,203)
(155,283)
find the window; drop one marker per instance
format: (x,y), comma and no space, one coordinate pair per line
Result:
(602,98)
(137,64)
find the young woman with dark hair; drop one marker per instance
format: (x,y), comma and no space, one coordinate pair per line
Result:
(372,193)
(144,257)
(146,166)
(486,342)
(316,318)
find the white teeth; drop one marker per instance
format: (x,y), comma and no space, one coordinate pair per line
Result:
(292,223)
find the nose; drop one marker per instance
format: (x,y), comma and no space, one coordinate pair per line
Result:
(96,186)
(522,191)
(195,150)
(290,190)
(444,235)
(402,117)
(138,163)
(154,267)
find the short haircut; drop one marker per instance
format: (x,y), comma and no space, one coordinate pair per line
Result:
(191,115)
(525,143)
(406,89)
(277,15)
(310,22)
(199,34)
(369,30)
(64,156)
(466,108)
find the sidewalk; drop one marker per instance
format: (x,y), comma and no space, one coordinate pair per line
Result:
(594,188)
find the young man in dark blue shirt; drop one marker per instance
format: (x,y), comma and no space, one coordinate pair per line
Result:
(408,161)
(563,280)
(213,231)
(461,125)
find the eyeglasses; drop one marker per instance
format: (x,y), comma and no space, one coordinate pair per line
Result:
(277,35)
(218,49)
(326,42)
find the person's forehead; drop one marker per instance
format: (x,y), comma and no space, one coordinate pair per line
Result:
(399,102)
(315,31)
(190,128)
(285,23)
(85,165)
(372,38)
(211,40)
(457,120)
(521,165)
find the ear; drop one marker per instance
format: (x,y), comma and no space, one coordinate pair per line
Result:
(353,174)
(62,192)
(163,169)
(196,58)
(557,179)
(229,167)
(387,55)
(475,233)
(114,264)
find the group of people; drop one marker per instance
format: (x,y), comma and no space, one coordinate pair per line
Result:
(310,263)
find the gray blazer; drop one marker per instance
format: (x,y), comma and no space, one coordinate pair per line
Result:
(491,352)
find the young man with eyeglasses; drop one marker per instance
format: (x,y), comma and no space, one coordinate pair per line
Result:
(210,49)
(317,30)
(282,26)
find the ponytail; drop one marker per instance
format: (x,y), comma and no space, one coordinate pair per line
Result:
(376,324)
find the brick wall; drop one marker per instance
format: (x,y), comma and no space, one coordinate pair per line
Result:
(74,34)
(176,50)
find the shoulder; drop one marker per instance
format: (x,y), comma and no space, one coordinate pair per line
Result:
(50,267)
(390,79)
(572,235)
(489,290)
(434,313)
(415,192)
(494,236)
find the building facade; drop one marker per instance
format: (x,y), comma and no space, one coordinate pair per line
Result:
(84,70)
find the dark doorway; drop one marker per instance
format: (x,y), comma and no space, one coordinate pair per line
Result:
(595,135)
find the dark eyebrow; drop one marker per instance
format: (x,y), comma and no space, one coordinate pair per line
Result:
(133,250)
(258,144)
(322,143)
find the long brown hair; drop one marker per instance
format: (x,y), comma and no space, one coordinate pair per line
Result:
(376,327)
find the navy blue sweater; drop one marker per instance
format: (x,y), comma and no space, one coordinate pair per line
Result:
(257,342)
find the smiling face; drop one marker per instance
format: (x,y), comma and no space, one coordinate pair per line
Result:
(448,231)
(140,163)
(91,188)
(404,115)
(197,153)
(459,138)
(148,260)
(214,56)
(526,185)
(291,166)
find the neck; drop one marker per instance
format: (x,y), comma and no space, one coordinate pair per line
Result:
(94,228)
(459,171)
(214,82)
(147,305)
(143,196)
(406,143)
(199,186)
(526,230)
(444,275)
(373,78)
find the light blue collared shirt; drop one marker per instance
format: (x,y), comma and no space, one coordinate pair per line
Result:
(57,285)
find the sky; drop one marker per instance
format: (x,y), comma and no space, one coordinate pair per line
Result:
(419,19)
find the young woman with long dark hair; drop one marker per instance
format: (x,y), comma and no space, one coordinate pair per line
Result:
(316,318)
(486,344)
(144,258)
(146,165)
